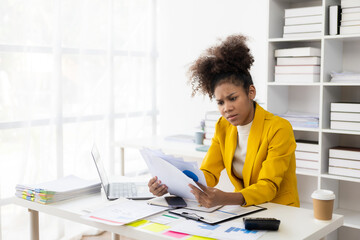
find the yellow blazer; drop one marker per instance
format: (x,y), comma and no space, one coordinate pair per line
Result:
(269,168)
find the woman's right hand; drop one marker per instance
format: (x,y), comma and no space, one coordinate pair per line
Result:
(156,188)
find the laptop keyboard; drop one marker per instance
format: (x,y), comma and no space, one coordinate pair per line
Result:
(126,189)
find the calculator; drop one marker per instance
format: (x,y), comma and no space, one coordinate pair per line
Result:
(261,224)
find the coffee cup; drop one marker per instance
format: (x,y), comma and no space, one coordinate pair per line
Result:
(323,203)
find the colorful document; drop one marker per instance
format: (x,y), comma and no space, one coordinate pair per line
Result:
(123,212)
(175,179)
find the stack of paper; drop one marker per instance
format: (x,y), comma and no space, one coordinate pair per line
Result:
(297,65)
(345,77)
(307,155)
(305,120)
(344,161)
(303,22)
(345,116)
(57,190)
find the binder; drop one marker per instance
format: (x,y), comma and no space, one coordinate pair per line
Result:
(220,215)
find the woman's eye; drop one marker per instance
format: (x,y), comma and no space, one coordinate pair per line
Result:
(220,103)
(233,98)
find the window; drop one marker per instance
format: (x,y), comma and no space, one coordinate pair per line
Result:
(71,72)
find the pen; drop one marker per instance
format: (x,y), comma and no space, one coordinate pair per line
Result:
(192,216)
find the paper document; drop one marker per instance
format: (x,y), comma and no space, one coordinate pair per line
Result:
(124,211)
(190,169)
(175,179)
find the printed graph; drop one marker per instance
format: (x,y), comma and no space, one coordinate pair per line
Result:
(208,227)
(235,229)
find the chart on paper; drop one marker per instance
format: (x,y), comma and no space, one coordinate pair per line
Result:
(226,231)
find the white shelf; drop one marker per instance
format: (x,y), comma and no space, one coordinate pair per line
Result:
(328,130)
(341,84)
(351,217)
(338,53)
(341,178)
(275,40)
(305,172)
(292,84)
(306,129)
(350,37)
(331,84)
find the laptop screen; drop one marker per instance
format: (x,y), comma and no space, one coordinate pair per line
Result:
(100,168)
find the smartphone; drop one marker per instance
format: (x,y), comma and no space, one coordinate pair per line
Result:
(175,202)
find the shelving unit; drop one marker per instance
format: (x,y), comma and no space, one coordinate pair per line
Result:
(338,53)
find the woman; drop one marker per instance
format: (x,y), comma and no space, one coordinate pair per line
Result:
(256,148)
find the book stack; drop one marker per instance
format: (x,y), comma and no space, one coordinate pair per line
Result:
(297,65)
(345,116)
(350,17)
(302,120)
(211,117)
(303,22)
(344,161)
(307,155)
(58,190)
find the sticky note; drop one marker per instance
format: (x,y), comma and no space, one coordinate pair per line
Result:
(175,234)
(155,227)
(199,238)
(137,223)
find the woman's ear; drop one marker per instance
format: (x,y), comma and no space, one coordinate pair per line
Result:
(252,92)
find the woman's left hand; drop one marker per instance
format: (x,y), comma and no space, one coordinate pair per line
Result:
(209,197)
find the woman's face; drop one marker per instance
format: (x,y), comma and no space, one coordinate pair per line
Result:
(234,104)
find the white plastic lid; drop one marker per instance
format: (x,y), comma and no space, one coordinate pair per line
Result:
(322,194)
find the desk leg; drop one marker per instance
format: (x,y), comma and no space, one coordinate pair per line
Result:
(34,224)
(115,236)
(122,161)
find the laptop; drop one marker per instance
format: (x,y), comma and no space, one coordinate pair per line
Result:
(130,190)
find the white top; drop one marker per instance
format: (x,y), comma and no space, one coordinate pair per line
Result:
(240,152)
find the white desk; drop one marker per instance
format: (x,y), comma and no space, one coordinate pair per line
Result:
(296,223)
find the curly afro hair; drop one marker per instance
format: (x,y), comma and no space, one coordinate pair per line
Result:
(230,60)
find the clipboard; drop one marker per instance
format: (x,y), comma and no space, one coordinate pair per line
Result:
(222,214)
(191,204)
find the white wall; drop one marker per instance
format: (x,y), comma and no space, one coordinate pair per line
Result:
(185,29)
